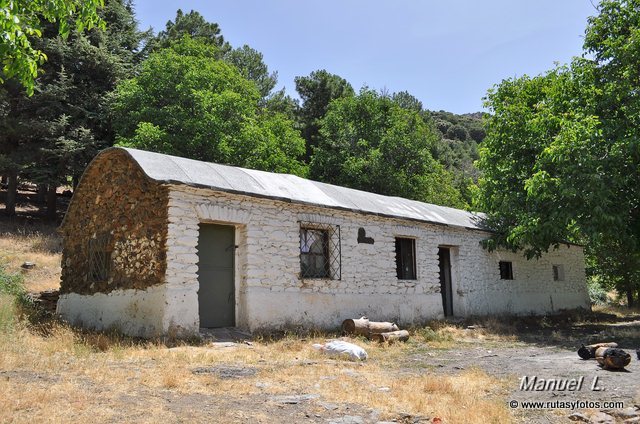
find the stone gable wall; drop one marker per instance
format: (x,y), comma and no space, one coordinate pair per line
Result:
(117,201)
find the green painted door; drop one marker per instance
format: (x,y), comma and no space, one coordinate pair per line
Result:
(216,295)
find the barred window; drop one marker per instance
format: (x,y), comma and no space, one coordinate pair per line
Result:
(99,258)
(405,258)
(320,254)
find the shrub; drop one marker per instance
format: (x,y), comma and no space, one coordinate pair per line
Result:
(597,294)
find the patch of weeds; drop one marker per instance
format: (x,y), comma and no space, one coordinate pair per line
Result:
(597,294)
(430,335)
(12,286)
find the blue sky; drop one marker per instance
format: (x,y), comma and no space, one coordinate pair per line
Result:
(445,53)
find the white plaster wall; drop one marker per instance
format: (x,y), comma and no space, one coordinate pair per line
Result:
(134,312)
(270,294)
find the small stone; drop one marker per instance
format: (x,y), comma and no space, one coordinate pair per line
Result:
(28,265)
(384,389)
(348,419)
(328,406)
(577,416)
(602,418)
(294,399)
(624,413)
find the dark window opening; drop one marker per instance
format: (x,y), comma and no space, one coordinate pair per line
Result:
(99,259)
(506,270)
(558,272)
(406,258)
(320,251)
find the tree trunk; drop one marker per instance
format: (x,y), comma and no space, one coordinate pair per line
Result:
(42,193)
(12,193)
(364,327)
(52,202)
(392,336)
(75,180)
(589,351)
(629,292)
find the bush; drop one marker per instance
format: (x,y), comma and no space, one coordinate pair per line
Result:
(15,295)
(597,294)
(11,284)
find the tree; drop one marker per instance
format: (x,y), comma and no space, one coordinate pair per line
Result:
(22,20)
(194,25)
(186,102)
(316,92)
(561,156)
(407,101)
(54,134)
(251,65)
(370,143)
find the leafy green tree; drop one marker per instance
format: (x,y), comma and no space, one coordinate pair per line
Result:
(407,101)
(21,21)
(370,143)
(186,102)
(194,25)
(561,156)
(317,91)
(54,134)
(251,65)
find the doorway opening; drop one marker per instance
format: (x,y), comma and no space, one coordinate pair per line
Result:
(444,260)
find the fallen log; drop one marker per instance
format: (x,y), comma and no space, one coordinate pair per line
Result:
(392,336)
(589,351)
(364,327)
(612,358)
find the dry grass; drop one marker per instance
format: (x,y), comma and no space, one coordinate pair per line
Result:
(54,373)
(620,311)
(38,243)
(64,375)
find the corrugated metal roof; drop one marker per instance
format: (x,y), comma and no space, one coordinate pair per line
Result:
(177,170)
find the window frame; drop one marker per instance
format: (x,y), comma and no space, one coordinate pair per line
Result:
(331,251)
(506,270)
(558,272)
(400,269)
(99,254)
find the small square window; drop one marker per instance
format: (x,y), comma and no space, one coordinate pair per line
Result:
(506,270)
(558,272)
(406,258)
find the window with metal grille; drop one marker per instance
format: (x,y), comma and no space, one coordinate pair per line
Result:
(406,258)
(506,270)
(320,253)
(558,272)
(99,258)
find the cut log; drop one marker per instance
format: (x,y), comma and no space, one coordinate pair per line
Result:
(612,358)
(589,351)
(358,326)
(364,327)
(392,336)
(382,327)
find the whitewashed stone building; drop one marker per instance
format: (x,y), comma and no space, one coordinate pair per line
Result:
(156,244)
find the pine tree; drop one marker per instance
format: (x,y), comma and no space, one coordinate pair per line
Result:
(51,136)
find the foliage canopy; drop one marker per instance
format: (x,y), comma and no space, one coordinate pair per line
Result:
(187,102)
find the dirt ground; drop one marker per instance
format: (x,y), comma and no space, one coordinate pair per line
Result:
(245,381)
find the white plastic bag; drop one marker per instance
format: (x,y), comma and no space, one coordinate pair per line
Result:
(342,348)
